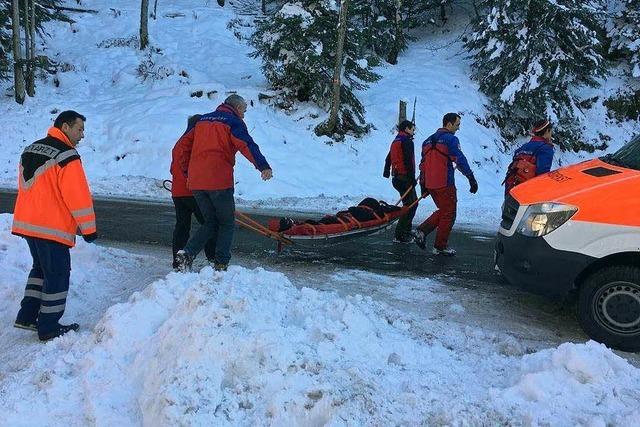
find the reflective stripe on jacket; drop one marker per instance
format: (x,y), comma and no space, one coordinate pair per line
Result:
(54,200)
(210,149)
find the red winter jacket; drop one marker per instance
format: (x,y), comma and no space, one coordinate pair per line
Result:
(179,180)
(401,158)
(208,156)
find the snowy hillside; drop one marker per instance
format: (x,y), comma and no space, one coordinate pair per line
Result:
(196,62)
(247,347)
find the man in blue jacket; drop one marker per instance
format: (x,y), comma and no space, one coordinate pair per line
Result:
(533,158)
(439,154)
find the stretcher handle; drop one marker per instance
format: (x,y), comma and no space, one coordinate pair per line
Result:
(415,202)
(263,230)
(271,236)
(405,194)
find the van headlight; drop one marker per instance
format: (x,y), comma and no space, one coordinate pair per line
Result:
(543,218)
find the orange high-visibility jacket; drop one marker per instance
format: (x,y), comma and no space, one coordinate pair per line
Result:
(54,200)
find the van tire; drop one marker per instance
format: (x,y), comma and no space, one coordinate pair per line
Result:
(607,289)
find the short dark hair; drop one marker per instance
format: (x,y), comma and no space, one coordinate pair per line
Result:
(192,120)
(541,126)
(69,117)
(449,118)
(406,124)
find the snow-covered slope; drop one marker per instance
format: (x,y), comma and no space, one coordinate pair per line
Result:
(133,122)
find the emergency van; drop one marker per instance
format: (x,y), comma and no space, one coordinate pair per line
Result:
(576,230)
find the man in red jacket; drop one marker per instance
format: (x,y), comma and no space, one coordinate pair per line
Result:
(184,203)
(441,156)
(401,164)
(207,161)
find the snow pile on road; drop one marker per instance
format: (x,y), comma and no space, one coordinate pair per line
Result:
(246,347)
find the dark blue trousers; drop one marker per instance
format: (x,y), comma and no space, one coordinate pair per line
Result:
(185,207)
(45,295)
(218,209)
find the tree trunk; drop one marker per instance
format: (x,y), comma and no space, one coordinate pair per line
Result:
(30,43)
(155,9)
(402,112)
(18,76)
(397,40)
(144,24)
(264,7)
(337,72)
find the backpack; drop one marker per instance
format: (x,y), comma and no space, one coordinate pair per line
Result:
(521,169)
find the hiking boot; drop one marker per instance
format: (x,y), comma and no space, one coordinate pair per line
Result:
(60,331)
(403,239)
(183,261)
(444,252)
(29,326)
(420,238)
(218,266)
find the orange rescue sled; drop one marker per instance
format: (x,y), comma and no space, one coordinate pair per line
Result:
(370,216)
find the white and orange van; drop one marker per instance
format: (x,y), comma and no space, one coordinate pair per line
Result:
(577,230)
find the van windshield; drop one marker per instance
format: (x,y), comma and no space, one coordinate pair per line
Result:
(628,156)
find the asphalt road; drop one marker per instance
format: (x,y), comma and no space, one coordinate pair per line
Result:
(151,223)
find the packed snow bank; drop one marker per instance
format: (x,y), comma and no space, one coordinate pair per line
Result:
(95,273)
(246,347)
(100,277)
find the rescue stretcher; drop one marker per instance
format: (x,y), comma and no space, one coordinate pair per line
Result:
(346,226)
(369,217)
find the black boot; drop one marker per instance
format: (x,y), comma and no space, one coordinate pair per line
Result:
(60,331)
(183,261)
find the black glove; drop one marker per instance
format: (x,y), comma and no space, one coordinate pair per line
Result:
(386,173)
(473,184)
(90,237)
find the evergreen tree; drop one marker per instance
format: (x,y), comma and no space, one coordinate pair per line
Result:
(5,38)
(529,55)
(384,23)
(625,33)
(297,46)
(46,10)
(623,28)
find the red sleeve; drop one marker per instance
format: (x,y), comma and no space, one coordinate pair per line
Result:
(184,152)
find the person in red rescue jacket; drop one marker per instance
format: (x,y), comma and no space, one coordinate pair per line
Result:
(54,201)
(207,161)
(401,164)
(184,203)
(439,153)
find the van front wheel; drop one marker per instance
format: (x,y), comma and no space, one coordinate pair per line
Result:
(609,307)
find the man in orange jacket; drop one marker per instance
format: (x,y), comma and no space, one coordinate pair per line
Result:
(54,201)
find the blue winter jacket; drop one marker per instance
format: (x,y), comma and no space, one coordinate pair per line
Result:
(542,150)
(436,166)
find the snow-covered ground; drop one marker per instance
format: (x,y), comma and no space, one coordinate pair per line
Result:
(250,347)
(133,123)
